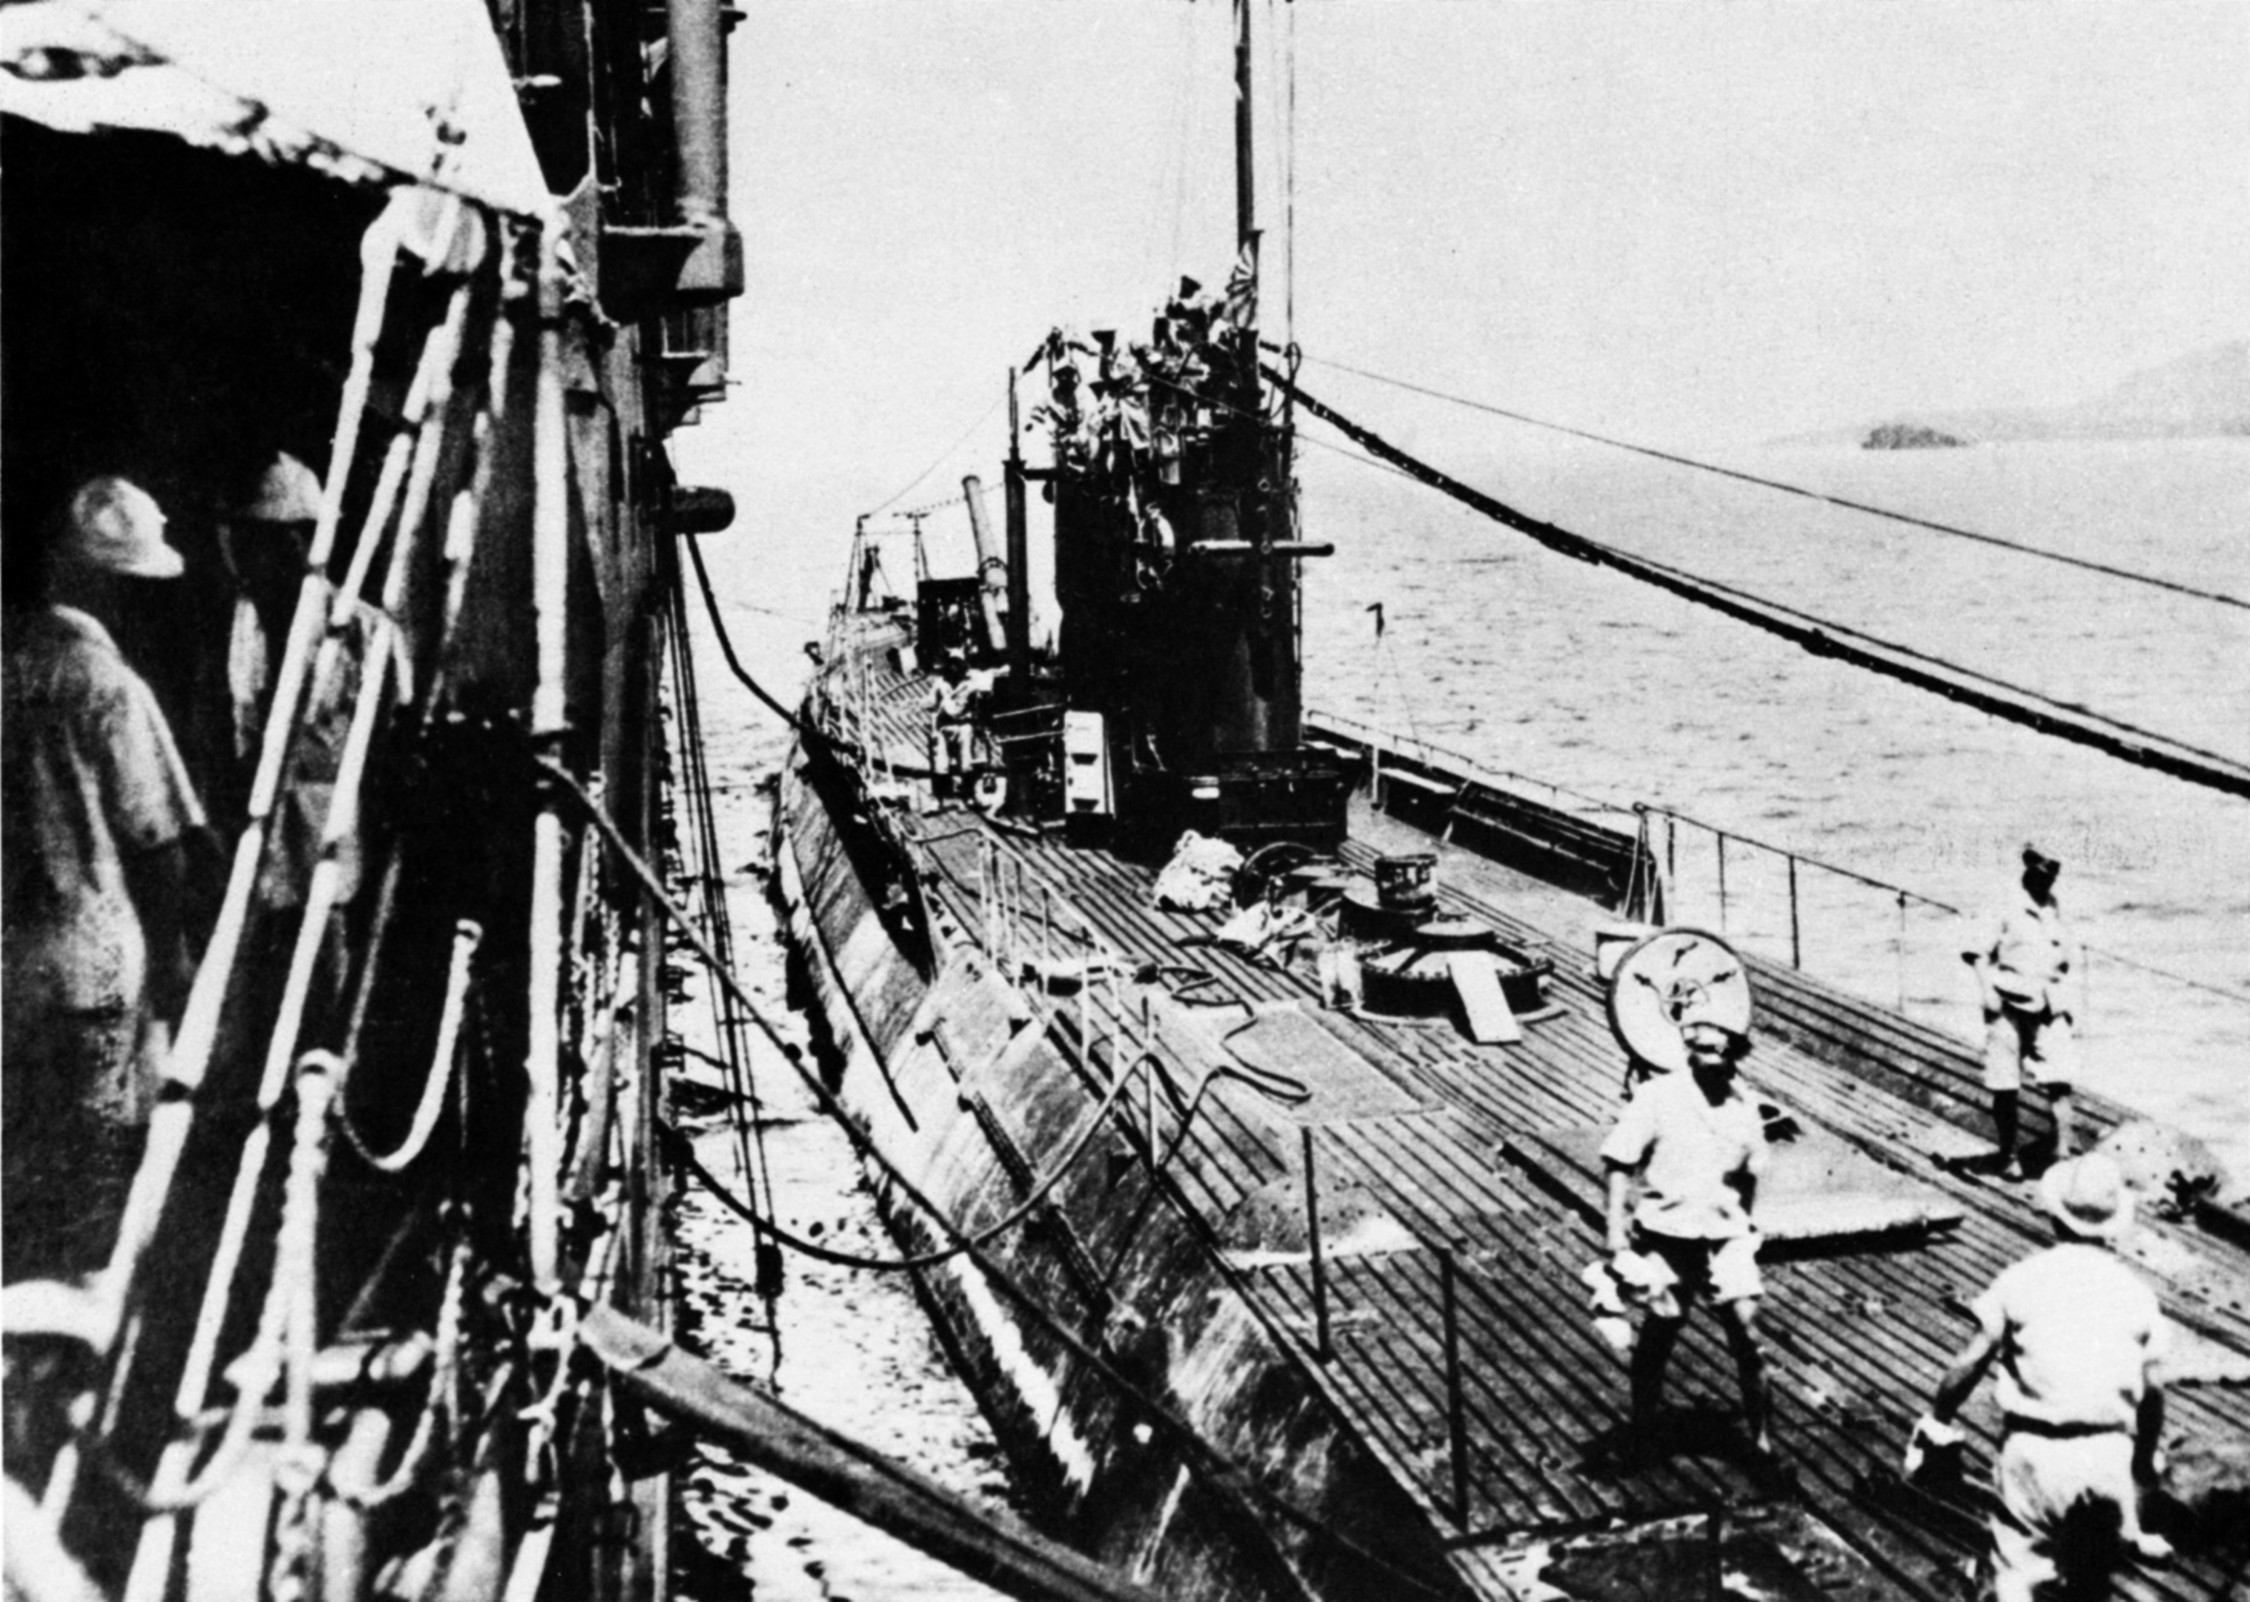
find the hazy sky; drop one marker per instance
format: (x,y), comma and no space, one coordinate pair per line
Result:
(1690,224)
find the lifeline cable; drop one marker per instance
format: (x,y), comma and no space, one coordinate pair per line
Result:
(1224,1476)
(1953,530)
(1597,806)
(2009,702)
(962,1243)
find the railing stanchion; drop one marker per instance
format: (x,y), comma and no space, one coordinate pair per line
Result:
(1321,1347)
(1900,946)
(1456,1423)
(1086,1008)
(1796,934)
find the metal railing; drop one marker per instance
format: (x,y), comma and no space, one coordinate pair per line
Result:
(1030,932)
(1903,948)
(1881,941)
(1563,799)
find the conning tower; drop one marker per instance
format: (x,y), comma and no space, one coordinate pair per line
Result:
(1177,570)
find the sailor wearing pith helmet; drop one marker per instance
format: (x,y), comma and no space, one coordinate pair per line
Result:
(2031,983)
(1682,1167)
(2078,1336)
(2088,1197)
(264,540)
(114,526)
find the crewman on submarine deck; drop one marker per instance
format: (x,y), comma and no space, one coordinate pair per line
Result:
(952,724)
(2078,1335)
(2030,980)
(1683,1166)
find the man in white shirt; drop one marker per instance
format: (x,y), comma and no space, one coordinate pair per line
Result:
(1683,1166)
(97,818)
(2030,980)
(952,724)
(2078,1336)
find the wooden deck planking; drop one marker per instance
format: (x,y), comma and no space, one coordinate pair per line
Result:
(1532,1365)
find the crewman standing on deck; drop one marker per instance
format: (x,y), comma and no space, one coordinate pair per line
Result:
(2079,1336)
(952,725)
(2031,981)
(1683,1167)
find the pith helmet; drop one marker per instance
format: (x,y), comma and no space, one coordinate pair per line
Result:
(286,492)
(115,527)
(2088,1196)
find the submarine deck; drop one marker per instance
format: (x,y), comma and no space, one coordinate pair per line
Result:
(1460,1348)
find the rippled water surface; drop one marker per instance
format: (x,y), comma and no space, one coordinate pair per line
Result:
(850,1349)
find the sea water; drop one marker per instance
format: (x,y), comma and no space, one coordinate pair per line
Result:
(1528,661)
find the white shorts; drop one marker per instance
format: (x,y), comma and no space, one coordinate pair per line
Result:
(2047,1484)
(2028,1049)
(1674,1271)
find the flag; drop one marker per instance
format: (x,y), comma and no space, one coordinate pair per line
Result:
(1241,307)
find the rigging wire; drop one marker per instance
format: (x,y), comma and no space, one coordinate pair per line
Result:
(1289,196)
(1170,174)
(1987,694)
(1950,529)
(1225,1476)
(703,833)
(926,508)
(941,458)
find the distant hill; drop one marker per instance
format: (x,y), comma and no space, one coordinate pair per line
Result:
(2202,394)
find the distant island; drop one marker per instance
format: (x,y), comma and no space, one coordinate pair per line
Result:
(2203,395)
(1907,437)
